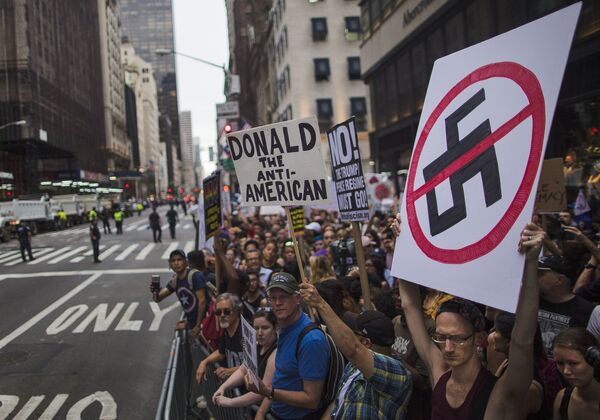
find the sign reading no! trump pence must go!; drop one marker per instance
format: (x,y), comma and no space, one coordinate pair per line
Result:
(280,164)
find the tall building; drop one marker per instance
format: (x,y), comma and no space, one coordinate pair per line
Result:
(403,38)
(149,27)
(187,151)
(139,76)
(51,98)
(118,146)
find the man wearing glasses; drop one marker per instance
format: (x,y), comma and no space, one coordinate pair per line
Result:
(297,387)
(230,348)
(462,388)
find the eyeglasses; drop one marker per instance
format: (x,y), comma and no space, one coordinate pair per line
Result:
(454,339)
(225,312)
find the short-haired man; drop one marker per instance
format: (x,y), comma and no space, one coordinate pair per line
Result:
(193,300)
(374,384)
(560,308)
(230,350)
(297,388)
(467,390)
(254,263)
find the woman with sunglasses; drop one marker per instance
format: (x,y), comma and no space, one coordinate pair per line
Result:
(581,399)
(266,337)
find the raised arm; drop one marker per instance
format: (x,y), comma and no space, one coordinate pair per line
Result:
(510,392)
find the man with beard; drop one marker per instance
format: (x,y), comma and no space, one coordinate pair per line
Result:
(230,348)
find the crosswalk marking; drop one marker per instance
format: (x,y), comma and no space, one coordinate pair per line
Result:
(126,252)
(189,246)
(51,255)
(187,226)
(67,255)
(36,253)
(172,247)
(9,256)
(109,251)
(141,228)
(86,254)
(144,252)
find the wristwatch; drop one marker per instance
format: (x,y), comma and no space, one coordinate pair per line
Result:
(272,394)
(590,266)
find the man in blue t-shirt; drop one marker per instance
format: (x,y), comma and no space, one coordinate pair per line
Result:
(192,300)
(297,387)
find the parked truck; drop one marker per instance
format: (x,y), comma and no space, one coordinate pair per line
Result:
(35,214)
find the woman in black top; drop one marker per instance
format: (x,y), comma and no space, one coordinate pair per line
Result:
(581,399)
(266,338)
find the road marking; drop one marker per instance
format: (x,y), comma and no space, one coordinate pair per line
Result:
(54,406)
(86,254)
(126,324)
(109,407)
(67,255)
(134,226)
(29,407)
(187,226)
(109,251)
(9,254)
(144,252)
(51,255)
(86,272)
(141,228)
(36,252)
(126,252)
(159,314)
(172,247)
(26,326)
(189,246)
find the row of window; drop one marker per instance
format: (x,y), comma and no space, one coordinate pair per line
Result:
(284,83)
(323,71)
(276,13)
(285,115)
(352,28)
(358,108)
(281,46)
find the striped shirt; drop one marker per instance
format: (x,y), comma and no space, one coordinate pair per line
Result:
(384,396)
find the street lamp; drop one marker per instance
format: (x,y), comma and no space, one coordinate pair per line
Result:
(165,51)
(20,122)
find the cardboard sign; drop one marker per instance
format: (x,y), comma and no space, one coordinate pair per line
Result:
(297,214)
(212,204)
(380,191)
(347,174)
(249,346)
(471,183)
(280,164)
(551,195)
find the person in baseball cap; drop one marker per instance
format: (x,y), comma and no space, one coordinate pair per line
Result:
(372,325)
(283,281)
(179,252)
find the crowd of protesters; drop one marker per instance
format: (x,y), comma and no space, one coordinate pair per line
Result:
(410,353)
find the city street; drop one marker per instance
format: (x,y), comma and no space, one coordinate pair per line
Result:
(84,340)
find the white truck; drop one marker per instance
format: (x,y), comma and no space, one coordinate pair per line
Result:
(35,214)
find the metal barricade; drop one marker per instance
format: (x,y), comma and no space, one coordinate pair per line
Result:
(182,398)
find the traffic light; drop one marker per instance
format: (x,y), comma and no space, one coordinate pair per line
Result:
(126,185)
(170,190)
(227,128)
(195,189)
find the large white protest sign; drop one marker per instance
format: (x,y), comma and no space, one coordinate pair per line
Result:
(475,164)
(347,174)
(280,164)
(249,345)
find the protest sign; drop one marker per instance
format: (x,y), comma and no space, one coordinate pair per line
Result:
(471,183)
(346,171)
(551,196)
(212,203)
(297,214)
(249,345)
(380,191)
(280,164)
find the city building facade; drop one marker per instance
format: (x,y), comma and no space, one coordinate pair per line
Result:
(51,98)
(149,27)
(401,39)
(187,152)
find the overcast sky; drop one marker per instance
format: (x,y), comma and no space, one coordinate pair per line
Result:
(201,31)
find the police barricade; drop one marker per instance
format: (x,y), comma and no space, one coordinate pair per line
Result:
(182,398)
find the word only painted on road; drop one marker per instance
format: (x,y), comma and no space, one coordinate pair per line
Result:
(9,403)
(103,319)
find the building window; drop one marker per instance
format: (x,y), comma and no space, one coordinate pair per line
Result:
(324,110)
(358,108)
(322,70)
(319,29)
(354,68)
(352,31)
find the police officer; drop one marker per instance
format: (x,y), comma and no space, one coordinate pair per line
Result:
(24,235)
(118,215)
(95,238)
(92,215)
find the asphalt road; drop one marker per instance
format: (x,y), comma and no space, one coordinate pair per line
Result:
(84,340)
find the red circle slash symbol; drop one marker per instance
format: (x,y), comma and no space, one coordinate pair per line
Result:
(535,109)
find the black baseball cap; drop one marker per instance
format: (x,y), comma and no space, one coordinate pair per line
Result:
(372,324)
(465,308)
(283,281)
(555,263)
(179,252)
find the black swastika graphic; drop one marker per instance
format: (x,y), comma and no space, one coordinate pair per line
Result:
(485,163)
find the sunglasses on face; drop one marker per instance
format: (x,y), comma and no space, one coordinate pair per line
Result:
(225,312)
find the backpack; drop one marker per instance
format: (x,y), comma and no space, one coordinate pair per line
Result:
(336,363)
(189,276)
